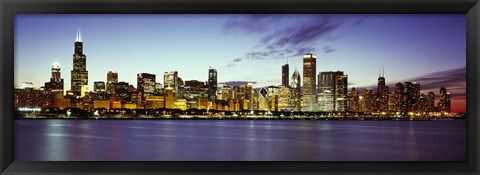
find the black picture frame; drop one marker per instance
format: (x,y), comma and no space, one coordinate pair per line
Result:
(8,9)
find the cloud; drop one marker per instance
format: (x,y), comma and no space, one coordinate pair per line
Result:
(237,60)
(250,24)
(454,78)
(327,49)
(279,40)
(304,33)
(230,65)
(237,83)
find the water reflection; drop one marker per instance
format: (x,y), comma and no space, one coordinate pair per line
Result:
(132,140)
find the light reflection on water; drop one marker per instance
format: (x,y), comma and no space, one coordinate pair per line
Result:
(150,140)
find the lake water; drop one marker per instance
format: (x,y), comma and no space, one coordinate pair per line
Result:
(239,140)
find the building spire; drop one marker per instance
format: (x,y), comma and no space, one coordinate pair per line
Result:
(379,72)
(383,71)
(79,36)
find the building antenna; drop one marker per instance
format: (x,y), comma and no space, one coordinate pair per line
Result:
(379,71)
(383,71)
(206,63)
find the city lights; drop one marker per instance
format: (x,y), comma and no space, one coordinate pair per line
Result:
(328,96)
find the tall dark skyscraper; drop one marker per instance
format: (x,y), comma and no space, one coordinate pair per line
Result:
(382,94)
(145,84)
(212,84)
(285,74)
(79,73)
(56,82)
(112,79)
(309,95)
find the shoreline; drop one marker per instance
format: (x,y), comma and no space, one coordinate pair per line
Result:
(240,118)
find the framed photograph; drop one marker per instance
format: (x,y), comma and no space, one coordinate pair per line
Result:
(260,87)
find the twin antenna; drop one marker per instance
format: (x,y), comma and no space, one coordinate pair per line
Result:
(79,36)
(381,73)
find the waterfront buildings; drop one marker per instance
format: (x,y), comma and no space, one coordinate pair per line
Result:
(329,95)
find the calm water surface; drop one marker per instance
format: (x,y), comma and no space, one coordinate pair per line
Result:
(256,140)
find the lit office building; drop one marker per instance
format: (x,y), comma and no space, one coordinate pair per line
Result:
(272,96)
(400,105)
(430,102)
(309,94)
(56,82)
(368,101)
(170,80)
(354,100)
(263,102)
(169,98)
(212,84)
(98,86)
(296,92)
(79,73)
(444,103)
(422,104)
(122,92)
(158,88)
(284,98)
(223,92)
(411,96)
(112,79)
(145,84)
(341,93)
(195,89)
(333,88)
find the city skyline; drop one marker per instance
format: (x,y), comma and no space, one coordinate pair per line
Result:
(226,71)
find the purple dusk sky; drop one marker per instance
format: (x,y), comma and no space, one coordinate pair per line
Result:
(430,49)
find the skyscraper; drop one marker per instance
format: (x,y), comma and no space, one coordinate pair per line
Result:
(309,95)
(332,91)
(296,93)
(112,79)
(285,74)
(145,84)
(56,82)
(98,86)
(122,92)
(444,103)
(79,73)
(411,96)
(212,84)
(368,100)
(354,101)
(382,94)
(430,102)
(171,80)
